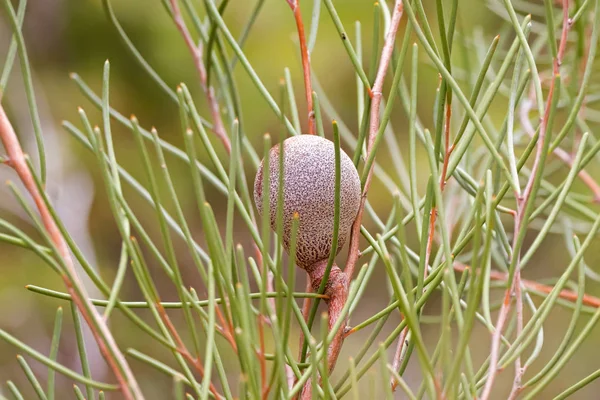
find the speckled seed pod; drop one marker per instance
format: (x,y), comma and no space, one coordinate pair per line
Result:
(309,186)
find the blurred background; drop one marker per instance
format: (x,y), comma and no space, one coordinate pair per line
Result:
(65,36)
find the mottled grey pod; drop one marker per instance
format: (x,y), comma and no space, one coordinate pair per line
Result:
(308,189)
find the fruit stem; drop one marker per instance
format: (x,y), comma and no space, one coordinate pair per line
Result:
(337,292)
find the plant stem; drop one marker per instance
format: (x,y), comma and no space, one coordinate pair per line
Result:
(295,6)
(98,327)
(375,92)
(196,52)
(376,97)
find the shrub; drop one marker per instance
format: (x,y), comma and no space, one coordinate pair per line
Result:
(465,198)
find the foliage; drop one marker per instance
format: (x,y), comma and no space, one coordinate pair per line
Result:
(451,249)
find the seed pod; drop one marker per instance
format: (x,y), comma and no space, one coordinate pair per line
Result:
(309,190)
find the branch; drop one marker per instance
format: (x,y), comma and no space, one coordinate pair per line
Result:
(563,155)
(399,356)
(565,294)
(106,343)
(339,281)
(448,148)
(522,203)
(386,55)
(305,313)
(295,6)
(182,349)
(196,52)
(337,290)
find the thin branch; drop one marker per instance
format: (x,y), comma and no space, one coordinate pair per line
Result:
(565,294)
(448,148)
(181,348)
(305,312)
(265,388)
(384,62)
(295,6)
(522,203)
(519,370)
(376,93)
(225,327)
(585,177)
(563,36)
(495,344)
(106,343)
(337,289)
(563,155)
(399,357)
(196,52)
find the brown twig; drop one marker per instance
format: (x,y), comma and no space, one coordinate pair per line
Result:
(181,348)
(265,388)
(448,148)
(447,152)
(399,356)
(337,290)
(519,370)
(564,294)
(338,298)
(563,36)
(295,6)
(305,311)
(226,328)
(106,343)
(376,94)
(522,202)
(532,286)
(270,275)
(563,155)
(585,177)
(196,52)
(502,315)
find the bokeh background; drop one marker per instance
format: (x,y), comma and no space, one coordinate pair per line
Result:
(65,36)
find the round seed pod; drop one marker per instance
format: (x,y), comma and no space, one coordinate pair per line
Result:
(309,190)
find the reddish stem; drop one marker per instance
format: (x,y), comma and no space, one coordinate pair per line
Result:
(502,315)
(261,357)
(182,349)
(519,221)
(226,328)
(448,148)
(305,311)
(563,36)
(565,294)
(196,52)
(432,218)
(270,275)
(398,357)
(519,370)
(295,6)
(337,290)
(376,94)
(386,54)
(75,287)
